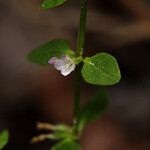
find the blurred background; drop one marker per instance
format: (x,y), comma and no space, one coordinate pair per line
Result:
(29,93)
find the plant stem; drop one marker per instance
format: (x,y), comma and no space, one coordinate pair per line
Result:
(82,28)
(79,52)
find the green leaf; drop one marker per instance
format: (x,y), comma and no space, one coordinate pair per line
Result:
(52,3)
(3,138)
(93,109)
(44,53)
(63,131)
(101,69)
(66,145)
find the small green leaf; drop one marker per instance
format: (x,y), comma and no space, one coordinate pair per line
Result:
(101,69)
(3,138)
(93,109)
(52,3)
(63,131)
(54,48)
(66,145)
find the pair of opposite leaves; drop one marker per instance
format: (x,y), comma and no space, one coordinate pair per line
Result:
(88,113)
(101,69)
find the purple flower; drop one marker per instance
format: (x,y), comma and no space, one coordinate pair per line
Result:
(65,64)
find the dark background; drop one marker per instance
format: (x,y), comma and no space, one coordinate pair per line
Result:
(29,93)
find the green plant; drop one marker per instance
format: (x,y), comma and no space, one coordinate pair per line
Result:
(4,136)
(101,69)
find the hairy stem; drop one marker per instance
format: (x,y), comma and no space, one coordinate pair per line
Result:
(79,52)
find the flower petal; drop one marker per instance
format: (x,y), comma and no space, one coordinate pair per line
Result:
(59,64)
(65,72)
(68,69)
(52,60)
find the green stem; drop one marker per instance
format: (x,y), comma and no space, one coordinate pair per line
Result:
(82,28)
(79,52)
(77,91)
